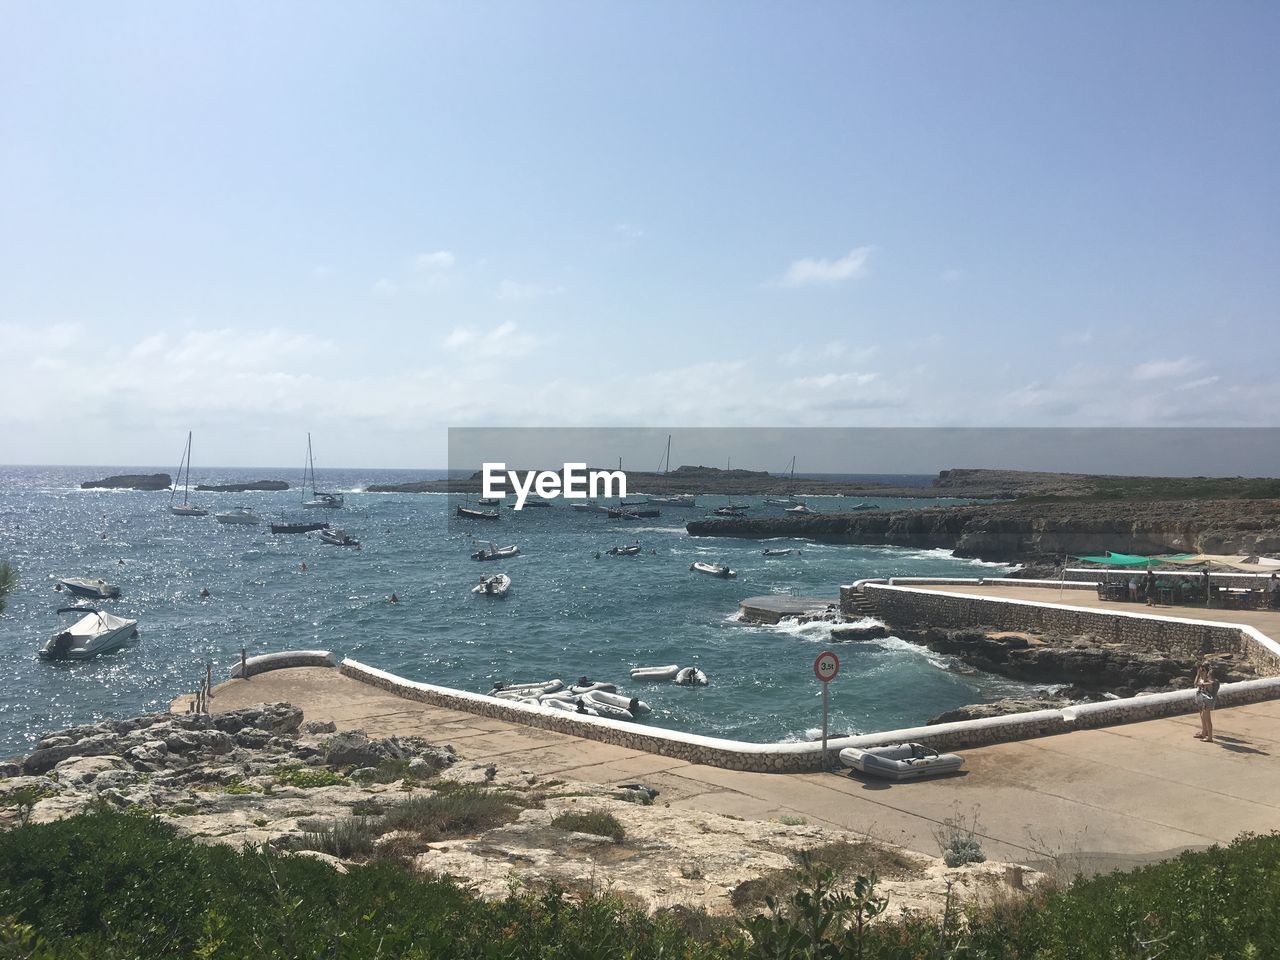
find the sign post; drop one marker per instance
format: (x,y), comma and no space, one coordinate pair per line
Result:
(825,669)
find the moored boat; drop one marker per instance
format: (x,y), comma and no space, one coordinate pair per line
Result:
(473,514)
(331,501)
(285,527)
(729,512)
(495,586)
(94,633)
(338,537)
(655,673)
(495,552)
(238,516)
(84,587)
(630,551)
(691,677)
(185,508)
(901,761)
(780,553)
(713,569)
(798,508)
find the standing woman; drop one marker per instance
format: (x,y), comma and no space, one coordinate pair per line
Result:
(1206,694)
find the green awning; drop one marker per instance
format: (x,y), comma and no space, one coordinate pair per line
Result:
(1132,560)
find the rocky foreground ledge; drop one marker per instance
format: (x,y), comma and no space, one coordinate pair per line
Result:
(262,775)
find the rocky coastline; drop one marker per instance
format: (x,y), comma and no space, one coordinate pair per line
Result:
(1033,532)
(262,775)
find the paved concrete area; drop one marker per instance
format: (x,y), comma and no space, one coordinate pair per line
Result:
(1268,621)
(775,607)
(1091,800)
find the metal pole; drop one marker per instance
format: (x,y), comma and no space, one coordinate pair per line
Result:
(824,725)
(244,665)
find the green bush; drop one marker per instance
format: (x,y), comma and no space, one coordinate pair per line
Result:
(308,778)
(461,812)
(349,839)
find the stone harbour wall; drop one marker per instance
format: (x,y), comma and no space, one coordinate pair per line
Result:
(808,757)
(902,605)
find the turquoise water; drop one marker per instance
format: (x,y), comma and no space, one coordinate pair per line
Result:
(568,614)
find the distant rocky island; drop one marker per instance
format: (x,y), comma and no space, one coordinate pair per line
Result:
(130,481)
(713,480)
(243,487)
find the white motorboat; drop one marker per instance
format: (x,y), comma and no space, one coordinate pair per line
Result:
(901,761)
(680,500)
(798,508)
(779,553)
(94,633)
(691,677)
(495,552)
(338,538)
(238,516)
(185,508)
(84,587)
(630,551)
(713,569)
(331,501)
(655,673)
(497,586)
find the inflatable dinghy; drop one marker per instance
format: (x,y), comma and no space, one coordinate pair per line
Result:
(655,673)
(691,677)
(901,761)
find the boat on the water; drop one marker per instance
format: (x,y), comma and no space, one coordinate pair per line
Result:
(94,633)
(630,551)
(730,511)
(633,705)
(901,761)
(798,508)
(84,587)
(185,508)
(473,514)
(713,569)
(691,677)
(331,501)
(338,537)
(589,505)
(681,500)
(655,673)
(301,527)
(780,553)
(533,689)
(495,552)
(238,516)
(496,586)
(858,507)
(632,513)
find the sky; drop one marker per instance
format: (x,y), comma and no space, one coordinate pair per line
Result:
(379,221)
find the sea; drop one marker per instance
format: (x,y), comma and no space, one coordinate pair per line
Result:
(568,614)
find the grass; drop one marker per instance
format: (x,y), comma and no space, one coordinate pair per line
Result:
(348,839)
(309,778)
(461,812)
(600,823)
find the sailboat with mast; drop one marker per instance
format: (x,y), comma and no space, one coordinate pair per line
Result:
(185,508)
(790,500)
(331,500)
(679,500)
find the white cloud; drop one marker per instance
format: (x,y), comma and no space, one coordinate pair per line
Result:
(1199,384)
(504,340)
(1164,369)
(828,381)
(811,271)
(832,350)
(515,292)
(433,262)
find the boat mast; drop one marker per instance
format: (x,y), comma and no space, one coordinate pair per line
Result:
(668,453)
(186,483)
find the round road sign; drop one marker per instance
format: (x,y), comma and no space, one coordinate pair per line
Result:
(826,666)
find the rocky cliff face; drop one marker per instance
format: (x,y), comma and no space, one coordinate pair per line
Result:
(1014,532)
